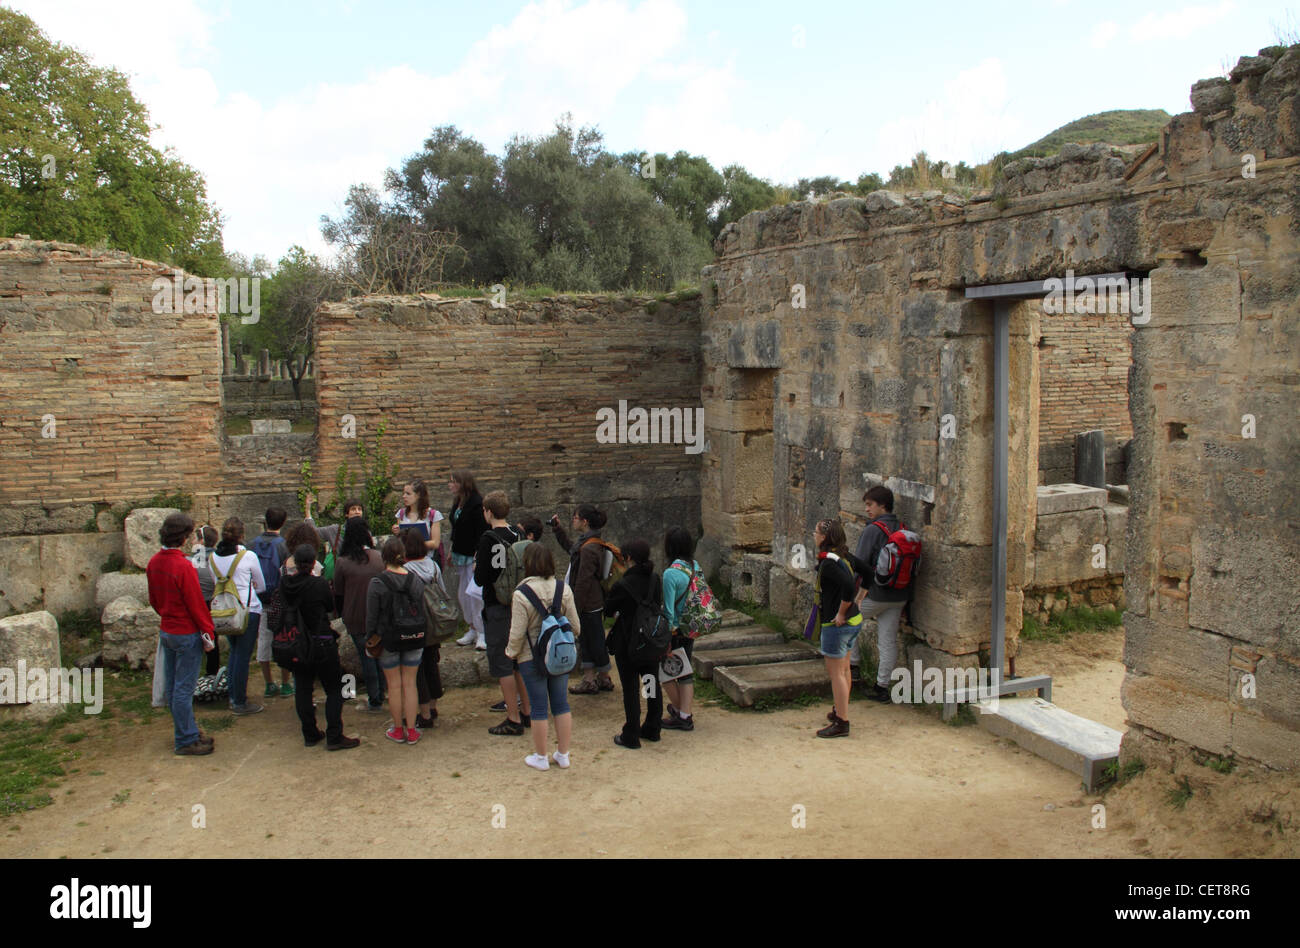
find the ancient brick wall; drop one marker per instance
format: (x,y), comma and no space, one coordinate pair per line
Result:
(512,393)
(1084,361)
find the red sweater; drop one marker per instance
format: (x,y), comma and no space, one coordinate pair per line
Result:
(175,595)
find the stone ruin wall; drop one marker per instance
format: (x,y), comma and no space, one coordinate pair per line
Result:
(512,393)
(856,383)
(138,407)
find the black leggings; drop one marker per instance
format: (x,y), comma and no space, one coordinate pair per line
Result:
(428,680)
(630,680)
(594,652)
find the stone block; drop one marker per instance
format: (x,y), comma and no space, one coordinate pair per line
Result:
(141,528)
(1116,537)
(110,586)
(752,531)
(1204,296)
(70,568)
(790,595)
(20,575)
(961,624)
(745,684)
(1190,657)
(1243,585)
(1277,693)
(1162,706)
(1270,742)
(744,471)
(749,578)
(463,667)
(272,426)
(131,630)
(739,415)
(33,638)
(1064,498)
(1064,547)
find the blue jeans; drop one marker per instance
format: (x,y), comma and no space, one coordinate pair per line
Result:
(182,655)
(241,651)
(544,686)
(374,679)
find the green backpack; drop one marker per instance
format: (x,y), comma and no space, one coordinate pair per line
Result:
(512,574)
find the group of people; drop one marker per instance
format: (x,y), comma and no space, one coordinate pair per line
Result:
(378,593)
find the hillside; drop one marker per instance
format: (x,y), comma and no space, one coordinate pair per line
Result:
(1116,127)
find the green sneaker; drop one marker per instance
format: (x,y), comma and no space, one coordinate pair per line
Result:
(286,689)
(271,691)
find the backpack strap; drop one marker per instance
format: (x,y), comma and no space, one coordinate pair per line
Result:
(533,598)
(558,603)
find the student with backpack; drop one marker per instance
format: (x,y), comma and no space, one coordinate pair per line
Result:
(272,553)
(330,532)
(416,510)
(679,551)
(883,599)
(467,525)
(395,612)
(543,625)
(838,617)
(588,566)
(357,564)
(239,579)
(640,638)
(428,681)
(498,568)
(308,603)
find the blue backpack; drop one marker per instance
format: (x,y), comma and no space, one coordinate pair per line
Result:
(555,648)
(268,557)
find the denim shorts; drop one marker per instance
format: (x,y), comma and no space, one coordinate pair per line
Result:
(837,640)
(543,690)
(408,659)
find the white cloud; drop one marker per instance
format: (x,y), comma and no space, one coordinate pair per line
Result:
(1103,33)
(1180,24)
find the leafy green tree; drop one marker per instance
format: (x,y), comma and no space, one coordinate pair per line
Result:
(76,163)
(742,193)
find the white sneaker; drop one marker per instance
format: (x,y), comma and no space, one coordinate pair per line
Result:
(481,644)
(468,638)
(561,760)
(537,762)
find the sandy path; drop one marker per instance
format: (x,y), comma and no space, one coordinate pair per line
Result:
(902,785)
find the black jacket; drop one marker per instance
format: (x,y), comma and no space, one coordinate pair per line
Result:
(638,584)
(469,526)
(838,585)
(315,602)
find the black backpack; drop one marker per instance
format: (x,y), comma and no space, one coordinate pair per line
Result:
(651,635)
(407,625)
(294,645)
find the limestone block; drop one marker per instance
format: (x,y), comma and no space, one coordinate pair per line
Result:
(70,568)
(1064,498)
(1277,692)
(744,471)
(20,574)
(130,633)
(1244,584)
(1212,95)
(1191,657)
(272,426)
(749,578)
(961,623)
(1195,297)
(750,531)
(32,637)
(1274,743)
(111,586)
(739,415)
(1064,547)
(1116,543)
(142,526)
(1161,706)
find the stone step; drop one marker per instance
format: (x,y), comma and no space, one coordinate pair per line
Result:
(731,618)
(706,661)
(745,684)
(749,636)
(1079,745)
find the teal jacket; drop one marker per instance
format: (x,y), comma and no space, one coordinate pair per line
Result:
(676,582)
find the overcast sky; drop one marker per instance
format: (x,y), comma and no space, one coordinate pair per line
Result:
(283,105)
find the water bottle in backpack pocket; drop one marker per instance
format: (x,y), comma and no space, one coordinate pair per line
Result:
(555,648)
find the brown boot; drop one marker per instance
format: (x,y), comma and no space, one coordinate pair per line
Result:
(837,728)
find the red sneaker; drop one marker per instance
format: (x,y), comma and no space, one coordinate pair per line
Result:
(396,734)
(412,736)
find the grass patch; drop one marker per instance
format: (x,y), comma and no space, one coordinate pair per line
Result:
(178,499)
(1116,776)
(1221,765)
(75,626)
(1180,794)
(31,761)
(1072,621)
(219,722)
(113,564)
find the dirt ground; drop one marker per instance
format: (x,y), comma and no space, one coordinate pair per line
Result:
(903,784)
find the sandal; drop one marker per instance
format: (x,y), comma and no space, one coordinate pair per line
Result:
(606,684)
(585,687)
(508,727)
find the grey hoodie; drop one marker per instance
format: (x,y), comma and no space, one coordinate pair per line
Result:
(870,544)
